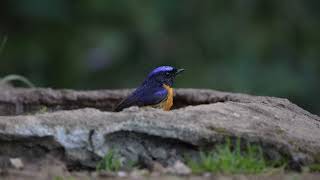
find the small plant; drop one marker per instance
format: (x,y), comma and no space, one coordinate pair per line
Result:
(226,160)
(110,162)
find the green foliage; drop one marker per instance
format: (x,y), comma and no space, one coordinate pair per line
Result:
(110,162)
(224,159)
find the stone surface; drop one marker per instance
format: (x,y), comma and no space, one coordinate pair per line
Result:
(203,118)
(16,163)
(179,168)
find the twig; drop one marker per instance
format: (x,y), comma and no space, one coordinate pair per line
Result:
(13,77)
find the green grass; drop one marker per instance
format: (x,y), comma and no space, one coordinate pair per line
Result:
(110,162)
(314,168)
(224,159)
(63,178)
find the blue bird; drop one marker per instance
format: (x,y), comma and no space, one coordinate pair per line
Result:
(155,91)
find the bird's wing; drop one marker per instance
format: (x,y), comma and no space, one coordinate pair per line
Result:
(143,97)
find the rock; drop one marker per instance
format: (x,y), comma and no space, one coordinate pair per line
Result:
(138,174)
(158,168)
(81,136)
(16,163)
(106,174)
(206,175)
(5,163)
(179,168)
(122,174)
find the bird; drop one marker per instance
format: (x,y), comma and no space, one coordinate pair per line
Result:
(155,91)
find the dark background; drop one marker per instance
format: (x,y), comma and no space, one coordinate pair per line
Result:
(265,47)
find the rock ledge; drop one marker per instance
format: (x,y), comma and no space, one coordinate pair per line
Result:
(80,136)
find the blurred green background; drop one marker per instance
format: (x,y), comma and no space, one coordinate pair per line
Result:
(266,47)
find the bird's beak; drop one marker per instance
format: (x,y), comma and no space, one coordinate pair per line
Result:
(179,71)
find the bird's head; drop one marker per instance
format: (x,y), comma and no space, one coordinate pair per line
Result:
(163,75)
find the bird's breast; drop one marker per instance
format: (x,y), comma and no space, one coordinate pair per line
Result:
(168,102)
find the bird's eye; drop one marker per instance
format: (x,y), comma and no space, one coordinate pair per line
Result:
(167,73)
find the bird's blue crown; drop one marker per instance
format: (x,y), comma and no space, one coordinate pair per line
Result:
(162,75)
(161,69)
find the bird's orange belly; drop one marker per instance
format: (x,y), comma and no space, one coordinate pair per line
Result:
(167,103)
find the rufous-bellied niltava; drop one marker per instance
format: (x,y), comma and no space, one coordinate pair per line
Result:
(155,91)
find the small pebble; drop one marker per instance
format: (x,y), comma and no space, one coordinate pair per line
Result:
(207,175)
(179,168)
(139,173)
(122,174)
(16,163)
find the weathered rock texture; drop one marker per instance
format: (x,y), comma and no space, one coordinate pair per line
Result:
(202,119)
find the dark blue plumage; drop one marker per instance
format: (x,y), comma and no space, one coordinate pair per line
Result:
(153,90)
